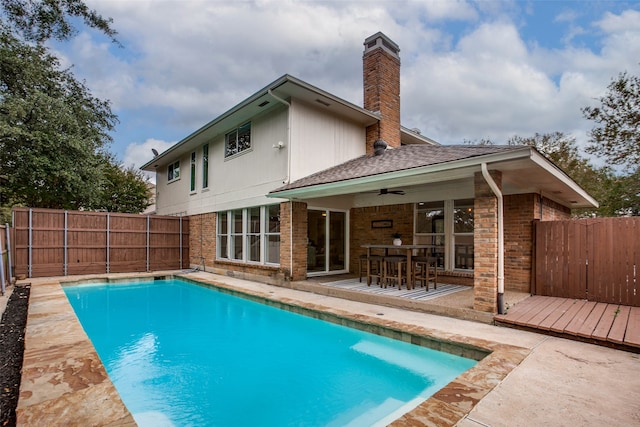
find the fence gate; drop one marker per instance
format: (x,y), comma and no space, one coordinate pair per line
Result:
(596,259)
(51,242)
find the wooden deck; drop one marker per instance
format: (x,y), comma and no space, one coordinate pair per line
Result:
(607,324)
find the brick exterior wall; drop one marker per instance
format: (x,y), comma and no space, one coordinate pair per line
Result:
(381,77)
(552,211)
(202,230)
(485,241)
(519,212)
(293,229)
(362,233)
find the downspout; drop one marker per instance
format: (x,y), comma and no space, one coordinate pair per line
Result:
(498,193)
(277,98)
(288,178)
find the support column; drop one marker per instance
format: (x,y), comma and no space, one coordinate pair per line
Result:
(485,241)
(293,240)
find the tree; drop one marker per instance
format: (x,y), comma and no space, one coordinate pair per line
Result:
(123,190)
(51,130)
(38,21)
(601,183)
(617,135)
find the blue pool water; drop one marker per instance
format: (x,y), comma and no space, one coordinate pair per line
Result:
(181,354)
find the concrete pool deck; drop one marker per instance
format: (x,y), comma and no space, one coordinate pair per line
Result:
(529,379)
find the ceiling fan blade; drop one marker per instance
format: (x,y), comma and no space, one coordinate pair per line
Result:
(387,191)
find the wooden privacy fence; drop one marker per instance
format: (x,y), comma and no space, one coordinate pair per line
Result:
(61,243)
(595,259)
(5,258)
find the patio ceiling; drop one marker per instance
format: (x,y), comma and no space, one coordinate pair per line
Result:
(524,170)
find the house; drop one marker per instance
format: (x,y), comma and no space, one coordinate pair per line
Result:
(291,182)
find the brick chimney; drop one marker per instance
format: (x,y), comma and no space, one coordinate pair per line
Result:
(381,75)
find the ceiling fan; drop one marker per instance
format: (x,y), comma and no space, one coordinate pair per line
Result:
(384,191)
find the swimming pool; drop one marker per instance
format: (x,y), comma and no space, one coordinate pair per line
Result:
(182,354)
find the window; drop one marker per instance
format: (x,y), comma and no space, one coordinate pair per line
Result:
(237,231)
(238,140)
(173,171)
(205,166)
(430,228)
(463,234)
(192,187)
(250,235)
(448,226)
(223,235)
(272,234)
(253,234)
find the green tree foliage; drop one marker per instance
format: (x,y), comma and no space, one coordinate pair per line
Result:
(51,130)
(124,190)
(617,134)
(40,20)
(614,193)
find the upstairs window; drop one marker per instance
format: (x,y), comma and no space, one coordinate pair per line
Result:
(238,140)
(173,171)
(192,187)
(205,166)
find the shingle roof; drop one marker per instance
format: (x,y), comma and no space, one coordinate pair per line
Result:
(398,159)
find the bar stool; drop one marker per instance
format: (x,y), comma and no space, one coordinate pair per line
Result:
(374,268)
(393,266)
(423,272)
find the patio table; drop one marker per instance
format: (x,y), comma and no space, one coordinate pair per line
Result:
(408,251)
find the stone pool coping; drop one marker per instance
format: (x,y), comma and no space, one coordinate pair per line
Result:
(64,382)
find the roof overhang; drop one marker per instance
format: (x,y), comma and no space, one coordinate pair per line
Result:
(286,87)
(523,171)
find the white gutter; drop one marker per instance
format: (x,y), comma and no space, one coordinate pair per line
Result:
(498,193)
(410,176)
(288,177)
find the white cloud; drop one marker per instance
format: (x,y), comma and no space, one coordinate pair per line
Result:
(191,60)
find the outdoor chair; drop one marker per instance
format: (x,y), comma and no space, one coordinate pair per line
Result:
(393,268)
(424,269)
(373,267)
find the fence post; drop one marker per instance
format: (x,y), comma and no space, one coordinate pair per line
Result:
(9,251)
(148,239)
(2,266)
(66,244)
(181,243)
(30,252)
(108,246)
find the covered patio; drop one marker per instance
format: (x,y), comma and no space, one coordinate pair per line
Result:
(473,204)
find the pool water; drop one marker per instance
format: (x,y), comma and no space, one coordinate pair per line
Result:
(180,354)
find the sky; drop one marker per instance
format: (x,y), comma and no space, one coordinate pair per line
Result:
(470,70)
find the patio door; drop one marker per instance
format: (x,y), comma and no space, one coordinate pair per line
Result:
(326,242)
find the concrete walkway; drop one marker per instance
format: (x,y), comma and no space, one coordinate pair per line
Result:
(529,380)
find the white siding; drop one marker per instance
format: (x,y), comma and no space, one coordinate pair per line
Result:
(321,140)
(237,182)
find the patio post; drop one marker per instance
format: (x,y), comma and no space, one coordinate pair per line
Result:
(485,241)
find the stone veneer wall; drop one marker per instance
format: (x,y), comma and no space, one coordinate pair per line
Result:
(485,241)
(293,213)
(361,231)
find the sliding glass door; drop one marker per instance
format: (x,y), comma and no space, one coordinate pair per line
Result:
(326,242)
